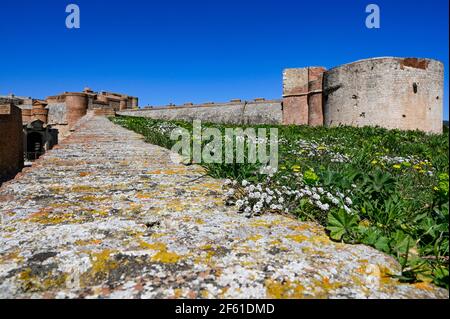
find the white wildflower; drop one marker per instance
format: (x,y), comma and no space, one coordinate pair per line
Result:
(348,201)
(230,192)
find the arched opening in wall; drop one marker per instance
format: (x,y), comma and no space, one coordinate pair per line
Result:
(415,87)
(35,146)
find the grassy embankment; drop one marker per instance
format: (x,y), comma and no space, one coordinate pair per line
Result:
(383,188)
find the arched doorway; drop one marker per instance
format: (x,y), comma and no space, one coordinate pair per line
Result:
(35,145)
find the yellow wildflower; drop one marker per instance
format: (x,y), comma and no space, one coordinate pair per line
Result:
(296,168)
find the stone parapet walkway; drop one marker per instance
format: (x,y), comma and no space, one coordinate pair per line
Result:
(107,215)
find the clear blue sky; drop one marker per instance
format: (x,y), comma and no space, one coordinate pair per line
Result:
(199,51)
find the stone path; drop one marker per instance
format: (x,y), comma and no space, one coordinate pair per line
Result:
(107,215)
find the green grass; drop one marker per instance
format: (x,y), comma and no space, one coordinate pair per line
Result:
(383,188)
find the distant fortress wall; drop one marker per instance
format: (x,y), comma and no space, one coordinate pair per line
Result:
(258,111)
(395,93)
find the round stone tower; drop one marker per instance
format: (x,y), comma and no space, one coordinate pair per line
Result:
(123,103)
(134,102)
(402,93)
(76,106)
(39,112)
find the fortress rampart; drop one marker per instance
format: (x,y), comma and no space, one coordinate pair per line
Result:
(258,111)
(395,93)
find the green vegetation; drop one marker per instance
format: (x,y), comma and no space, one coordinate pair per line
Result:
(383,188)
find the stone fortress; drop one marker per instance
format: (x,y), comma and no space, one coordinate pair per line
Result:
(29,127)
(395,93)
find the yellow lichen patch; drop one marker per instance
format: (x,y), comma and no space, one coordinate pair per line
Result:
(254,238)
(57,189)
(248,264)
(178,293)
(135,209)
(162,255)
(209,255)
(223,291)
(166,257)
(209,186)
(385,275)
(144,195)
(157,235)
(11,256)
(102,264)
(84,189)
(9,229)
(93,199)
(81,242)
(297,238)
(322,239)
(102,261)
(51,218)
(217,201)
(98,213)
(176,205)
(130,232)
(260,223)
(173,171)
(325,285)
(60,205)
(33,283)
(375,271)
(153,246)
(284,290)
(245,249)
(275,242)
(424,286)
(205,256)
(199,221)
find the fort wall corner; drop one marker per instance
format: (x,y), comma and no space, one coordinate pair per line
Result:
(11,141)
(302,96)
